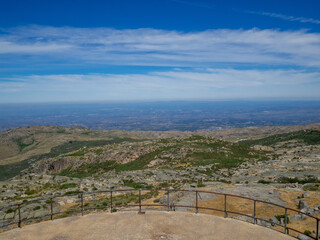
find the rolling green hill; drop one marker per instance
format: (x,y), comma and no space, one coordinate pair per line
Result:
(311,137)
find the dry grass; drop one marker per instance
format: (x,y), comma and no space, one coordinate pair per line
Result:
(45,138)
(265,211)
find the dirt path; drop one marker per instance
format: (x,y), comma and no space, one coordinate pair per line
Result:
(152,226)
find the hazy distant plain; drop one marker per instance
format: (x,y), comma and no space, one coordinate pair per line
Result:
(162,116)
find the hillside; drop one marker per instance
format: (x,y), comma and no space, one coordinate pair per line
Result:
(280,165)
(21,143)
(311,137)
(22,147)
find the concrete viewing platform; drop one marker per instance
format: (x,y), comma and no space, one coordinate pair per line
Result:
(151,226)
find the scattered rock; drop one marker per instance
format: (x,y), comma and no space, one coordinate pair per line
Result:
(303,204)
(298,217)
(274,220)
(303,237)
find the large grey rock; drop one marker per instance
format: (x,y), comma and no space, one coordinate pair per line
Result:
(274,220)
(310,211)
(243,218)
(298,217)
(303,204)
(263,223)
(303,237)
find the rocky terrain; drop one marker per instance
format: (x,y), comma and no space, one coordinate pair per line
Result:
(275,164)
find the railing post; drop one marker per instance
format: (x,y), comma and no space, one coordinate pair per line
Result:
(168,201)
(111,201)
(197,202)
(225,206)
(317,232)
(285,220)
(82,204)
(139,200)
(51,207)
(254,212)
(19,223)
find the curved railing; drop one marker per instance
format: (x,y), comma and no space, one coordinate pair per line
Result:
(170,205)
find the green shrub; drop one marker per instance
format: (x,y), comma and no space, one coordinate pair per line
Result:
(307,232)
(31,202)
(47,185)
(36,208)
(30,192)
(74,192)
(309,179)
(264,181)
(282,216)
(68,185)
(311,188)
(10,210)
(164,185)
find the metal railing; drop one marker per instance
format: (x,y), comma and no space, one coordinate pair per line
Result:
(169,205)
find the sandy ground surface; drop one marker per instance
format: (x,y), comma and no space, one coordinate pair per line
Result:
(152,225)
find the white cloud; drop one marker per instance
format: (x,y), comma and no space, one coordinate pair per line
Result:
(32,48)
(151,47)
(285,17)
(172,80)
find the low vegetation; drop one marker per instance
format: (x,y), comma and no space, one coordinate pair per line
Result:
(89,169)
(309,179)
(311,137)
(311,188)
(22,144)
(197,151)
(68,185)
(13,169)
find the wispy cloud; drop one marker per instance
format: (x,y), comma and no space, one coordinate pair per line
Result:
(206,83)
(270,14)
(291,58)
(285,17)
(160,47)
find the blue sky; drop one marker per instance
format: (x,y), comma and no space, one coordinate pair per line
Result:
(122,50)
